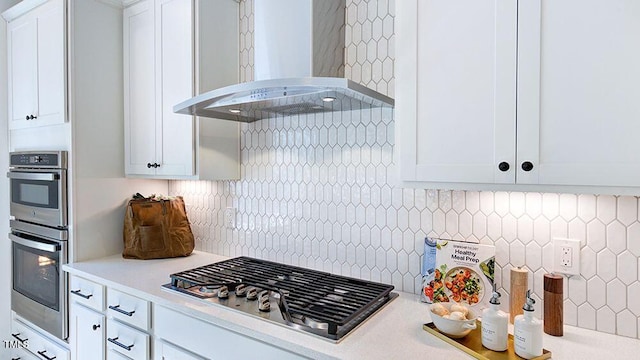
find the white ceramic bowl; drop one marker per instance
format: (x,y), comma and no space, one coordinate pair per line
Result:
(454,328)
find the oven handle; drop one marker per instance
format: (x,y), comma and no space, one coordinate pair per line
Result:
(35,244)
(33,176)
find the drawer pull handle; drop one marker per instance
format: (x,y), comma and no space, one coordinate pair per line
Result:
(15,358)
(79,293)
(115,341)
(45,356)
(117,308)
(17,336)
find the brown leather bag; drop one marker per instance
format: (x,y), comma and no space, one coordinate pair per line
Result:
(155,229)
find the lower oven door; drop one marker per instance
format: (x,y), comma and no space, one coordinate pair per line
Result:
(39,286)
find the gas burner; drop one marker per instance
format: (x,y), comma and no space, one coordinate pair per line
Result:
(208,289)
(312,323)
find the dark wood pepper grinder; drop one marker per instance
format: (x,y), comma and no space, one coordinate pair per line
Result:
(553,304)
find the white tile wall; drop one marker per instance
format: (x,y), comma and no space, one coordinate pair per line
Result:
(317,191)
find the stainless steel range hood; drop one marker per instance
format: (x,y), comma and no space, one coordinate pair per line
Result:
(299,54)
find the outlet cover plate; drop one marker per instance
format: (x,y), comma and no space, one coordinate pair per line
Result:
(566,256)
(230,218)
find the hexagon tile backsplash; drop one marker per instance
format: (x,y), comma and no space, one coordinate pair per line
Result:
(317,191)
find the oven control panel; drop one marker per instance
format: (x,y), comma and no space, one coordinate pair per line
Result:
(40,159)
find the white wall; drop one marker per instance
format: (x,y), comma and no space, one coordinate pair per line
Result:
(5,248)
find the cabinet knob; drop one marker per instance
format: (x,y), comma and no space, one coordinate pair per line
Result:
(156,165)
(149,166)
(503,166)
(30,117)
(527,166)
(95,327)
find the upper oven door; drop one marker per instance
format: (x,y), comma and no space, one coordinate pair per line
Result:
(39,196)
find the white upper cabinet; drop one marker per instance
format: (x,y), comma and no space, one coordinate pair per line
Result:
(532,92)
(162,68)
(455,92)
(578,96)
(36,67)
(139,89)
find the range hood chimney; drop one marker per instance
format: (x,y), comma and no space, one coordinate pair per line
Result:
(299,67)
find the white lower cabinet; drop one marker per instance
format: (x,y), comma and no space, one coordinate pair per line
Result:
(131,327)
(87,330)
(128,309)
(22,354)
(35,343)
(166,351)
(114,355)
(207,340)
(128,341)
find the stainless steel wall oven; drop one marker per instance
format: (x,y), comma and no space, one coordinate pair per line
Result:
(38,193)
(38,183)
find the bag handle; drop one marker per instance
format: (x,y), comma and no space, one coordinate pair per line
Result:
(130,208)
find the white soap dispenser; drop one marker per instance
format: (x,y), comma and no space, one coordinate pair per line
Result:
(527,331)
(495,325)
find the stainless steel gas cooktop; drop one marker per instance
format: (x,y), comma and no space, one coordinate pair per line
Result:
(320,303)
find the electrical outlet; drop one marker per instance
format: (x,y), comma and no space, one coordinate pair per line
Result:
(230,218)
(566,256)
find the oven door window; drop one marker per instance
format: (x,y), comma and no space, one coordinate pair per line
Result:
(36,275)
(42,194)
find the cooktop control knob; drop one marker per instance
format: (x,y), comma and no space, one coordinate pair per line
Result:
(264,304)
(252,293)
(223,292)
(241,290)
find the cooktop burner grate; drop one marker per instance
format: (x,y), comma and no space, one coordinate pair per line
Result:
(315,296)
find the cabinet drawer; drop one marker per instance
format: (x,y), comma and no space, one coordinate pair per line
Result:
(166,351)
(87,293)
(127,340)
(114,355)
(196,335)
(40,346)
(129,309)
(22,354)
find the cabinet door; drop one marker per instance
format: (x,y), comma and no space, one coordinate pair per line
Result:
(455,75)
(139,88)
(174,83)
(578,92)
(23,82)
(37,90)
(166,351)
(87,333)
(51,64)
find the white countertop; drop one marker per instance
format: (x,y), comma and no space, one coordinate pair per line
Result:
(393,333)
